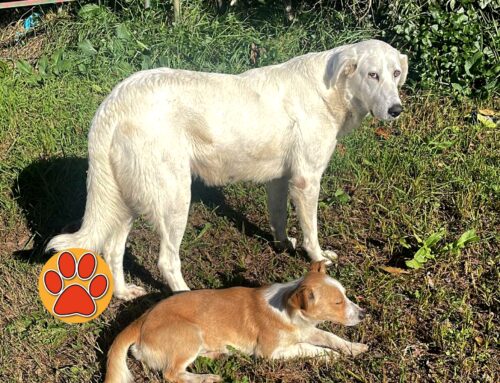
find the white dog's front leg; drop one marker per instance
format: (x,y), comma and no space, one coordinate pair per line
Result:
(327,339)
(305,192)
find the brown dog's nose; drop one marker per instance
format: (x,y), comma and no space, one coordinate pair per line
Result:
(362,314)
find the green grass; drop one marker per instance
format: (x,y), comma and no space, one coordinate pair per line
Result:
(437,169)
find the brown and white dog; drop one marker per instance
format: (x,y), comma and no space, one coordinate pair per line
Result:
(277,321)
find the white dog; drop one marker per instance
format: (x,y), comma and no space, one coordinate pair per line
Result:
(278,124)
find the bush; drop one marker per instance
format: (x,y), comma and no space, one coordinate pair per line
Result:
(452,45)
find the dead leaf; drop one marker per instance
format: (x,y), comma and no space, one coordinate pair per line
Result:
(487,112)
(381,132)
(341,149)
(255,53)
(394,270)
(479,340)
(430,282)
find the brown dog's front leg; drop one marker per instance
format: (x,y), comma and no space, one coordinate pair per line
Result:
(326,339)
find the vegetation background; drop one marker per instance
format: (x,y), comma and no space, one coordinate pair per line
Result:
(410,206)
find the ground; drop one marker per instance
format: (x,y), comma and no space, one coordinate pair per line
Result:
(388,188)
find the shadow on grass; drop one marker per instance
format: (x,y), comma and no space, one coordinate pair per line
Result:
(52,194)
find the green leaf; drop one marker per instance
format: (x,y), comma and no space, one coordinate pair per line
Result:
(434,238)
(124,67)
(469,236)
(146,63)
(4,69)
(472,61)
(122,32)
(24,67)
(43,65)
(203,231)
(412,264)
(63,66)
(87,47)
(443,145)
(89,11)
(486,121)
(342,196)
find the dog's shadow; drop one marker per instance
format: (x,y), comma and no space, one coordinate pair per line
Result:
(51,194)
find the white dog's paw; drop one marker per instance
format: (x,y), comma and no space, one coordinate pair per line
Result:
(130,292)
(329,255)
(178,286)
(292,243)
(357,348)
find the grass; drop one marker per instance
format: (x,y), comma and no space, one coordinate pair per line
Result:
(387,186)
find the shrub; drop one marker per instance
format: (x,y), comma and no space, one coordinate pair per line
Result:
(452,45)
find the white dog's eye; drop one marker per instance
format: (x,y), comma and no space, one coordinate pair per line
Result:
(397,73)
(373,75)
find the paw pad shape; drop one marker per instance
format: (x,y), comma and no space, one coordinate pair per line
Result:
(78,298)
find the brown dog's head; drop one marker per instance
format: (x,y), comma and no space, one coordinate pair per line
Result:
(321,298)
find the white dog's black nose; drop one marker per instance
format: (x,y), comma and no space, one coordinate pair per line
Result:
(395,110)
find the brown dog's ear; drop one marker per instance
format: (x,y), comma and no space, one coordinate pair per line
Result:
(318,267)
(301,298)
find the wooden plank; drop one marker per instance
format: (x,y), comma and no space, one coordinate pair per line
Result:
(29,3)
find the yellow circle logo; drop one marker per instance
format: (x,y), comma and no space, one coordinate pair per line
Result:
(75,285)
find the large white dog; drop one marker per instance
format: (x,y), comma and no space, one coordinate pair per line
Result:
(278,124)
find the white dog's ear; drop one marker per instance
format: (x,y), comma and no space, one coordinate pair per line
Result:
(403,60)
(339,66)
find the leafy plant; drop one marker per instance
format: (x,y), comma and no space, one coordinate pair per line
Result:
(429,250)
(453,45)
(456,247)
(46,67)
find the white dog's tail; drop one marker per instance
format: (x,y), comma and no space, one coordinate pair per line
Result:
(117,370)
(105,210)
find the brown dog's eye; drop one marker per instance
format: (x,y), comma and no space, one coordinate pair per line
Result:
(397,73)
(373,75)
(339,303)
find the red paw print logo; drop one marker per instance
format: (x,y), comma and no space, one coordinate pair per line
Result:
(75,285)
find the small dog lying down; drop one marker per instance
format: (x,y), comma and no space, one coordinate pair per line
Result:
(277,321)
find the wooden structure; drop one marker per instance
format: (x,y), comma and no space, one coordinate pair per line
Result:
(31,3)
(28,3)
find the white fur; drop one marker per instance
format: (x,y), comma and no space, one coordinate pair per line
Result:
(275,296)
(277,124)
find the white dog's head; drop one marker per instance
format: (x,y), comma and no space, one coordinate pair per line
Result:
(370,73)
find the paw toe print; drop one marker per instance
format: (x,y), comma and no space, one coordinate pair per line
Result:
(75,299)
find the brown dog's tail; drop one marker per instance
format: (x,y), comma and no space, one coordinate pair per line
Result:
(117,370)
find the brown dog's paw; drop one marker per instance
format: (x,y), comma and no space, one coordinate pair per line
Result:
(357,348)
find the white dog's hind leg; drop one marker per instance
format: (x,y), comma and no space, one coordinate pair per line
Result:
(277,201)
(168,211)
(305,196)
(114,250)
